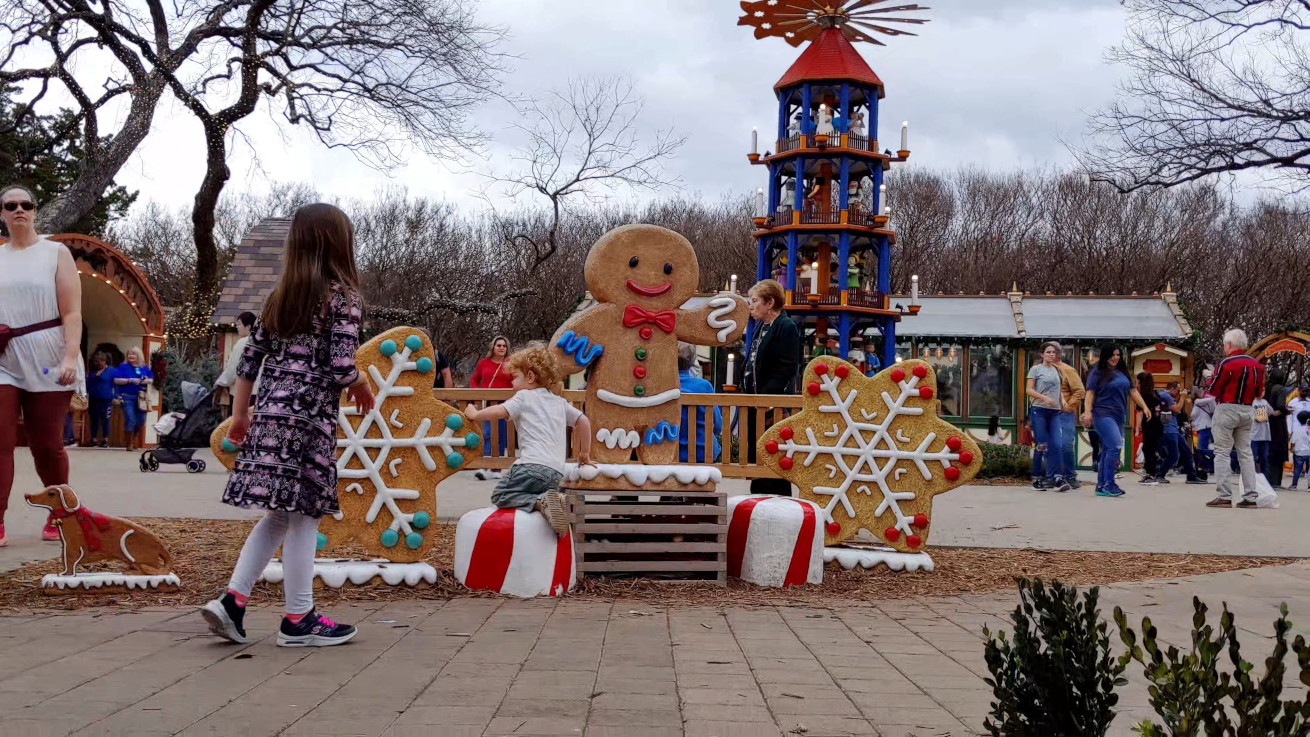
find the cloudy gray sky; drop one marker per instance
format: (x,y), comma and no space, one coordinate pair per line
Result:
(995,83)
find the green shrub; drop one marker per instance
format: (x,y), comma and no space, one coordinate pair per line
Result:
(1192,697)
(199,370)
(1006,461)
(1056,676)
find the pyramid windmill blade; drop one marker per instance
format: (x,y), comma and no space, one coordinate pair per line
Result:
(883,29)
(798,21)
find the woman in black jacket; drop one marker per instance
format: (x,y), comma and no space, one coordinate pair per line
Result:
(773,360)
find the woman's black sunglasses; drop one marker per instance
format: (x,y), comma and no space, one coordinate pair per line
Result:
(25,204)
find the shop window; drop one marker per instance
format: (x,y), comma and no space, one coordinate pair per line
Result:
(948,362)
(991,381)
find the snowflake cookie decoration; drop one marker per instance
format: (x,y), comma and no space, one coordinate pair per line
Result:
(871,452)
(390,460)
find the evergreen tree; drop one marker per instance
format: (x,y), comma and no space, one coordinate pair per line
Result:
(44,154)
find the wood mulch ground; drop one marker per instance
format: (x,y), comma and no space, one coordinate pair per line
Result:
(204,552)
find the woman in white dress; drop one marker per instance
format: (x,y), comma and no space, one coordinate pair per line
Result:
(41,317)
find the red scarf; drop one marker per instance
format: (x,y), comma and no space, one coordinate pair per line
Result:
(92,524)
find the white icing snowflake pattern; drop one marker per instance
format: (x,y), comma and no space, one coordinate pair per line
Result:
(875,453)
(373,452)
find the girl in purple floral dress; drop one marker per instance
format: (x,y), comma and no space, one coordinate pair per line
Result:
(305,342)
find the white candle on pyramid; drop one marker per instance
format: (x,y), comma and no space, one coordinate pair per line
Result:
(905,136)
(814,278)
(914,289)
(755,140)
(759,203)
(732,287)
(882,198)
(732,363)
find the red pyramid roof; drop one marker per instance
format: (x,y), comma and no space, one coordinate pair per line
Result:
(830,57)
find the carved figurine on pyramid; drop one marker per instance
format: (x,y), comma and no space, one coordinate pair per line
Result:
(88,537)
(872,453)
(640,276)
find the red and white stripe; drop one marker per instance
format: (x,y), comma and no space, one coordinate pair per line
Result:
(774,541)
(513,552)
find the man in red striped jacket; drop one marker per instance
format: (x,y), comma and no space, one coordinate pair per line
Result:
(1239,381)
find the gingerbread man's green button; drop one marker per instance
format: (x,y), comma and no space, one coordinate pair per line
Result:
(641,354)
(639,390)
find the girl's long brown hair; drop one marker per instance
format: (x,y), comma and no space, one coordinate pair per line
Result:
(320,250)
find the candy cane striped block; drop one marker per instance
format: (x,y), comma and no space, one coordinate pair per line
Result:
(513,552)
(774,541)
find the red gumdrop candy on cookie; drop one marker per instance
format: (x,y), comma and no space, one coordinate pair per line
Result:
(966,457)
(786,433)
(920,520)
(921,371)
(771,446)
(951,473)
(821,369)
(892,534)
(954,443)
(833,529)
(897,375)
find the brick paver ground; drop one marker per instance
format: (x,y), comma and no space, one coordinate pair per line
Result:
(472,667)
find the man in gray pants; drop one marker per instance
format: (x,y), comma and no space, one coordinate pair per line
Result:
(1239,381)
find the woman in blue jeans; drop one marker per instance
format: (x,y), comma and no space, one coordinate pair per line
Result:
(131,379)
(1105,408)
(1048,441)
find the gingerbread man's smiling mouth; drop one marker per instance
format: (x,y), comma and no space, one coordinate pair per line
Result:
(649,291)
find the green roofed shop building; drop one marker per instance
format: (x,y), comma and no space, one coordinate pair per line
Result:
(982,347)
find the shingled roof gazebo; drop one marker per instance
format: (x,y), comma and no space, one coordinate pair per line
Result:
(255,269)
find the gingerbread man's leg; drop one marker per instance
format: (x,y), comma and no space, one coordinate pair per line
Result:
(659,442)
(614,438)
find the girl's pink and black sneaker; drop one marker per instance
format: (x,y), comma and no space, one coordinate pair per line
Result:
(225,618)
(313,631)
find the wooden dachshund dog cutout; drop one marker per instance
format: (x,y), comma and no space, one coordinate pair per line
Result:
(88,537)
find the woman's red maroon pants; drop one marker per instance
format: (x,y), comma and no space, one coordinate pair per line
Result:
(43,421)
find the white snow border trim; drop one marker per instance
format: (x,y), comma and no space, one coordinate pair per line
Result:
(89,581)
(895,560)
(335,572)
(639,475)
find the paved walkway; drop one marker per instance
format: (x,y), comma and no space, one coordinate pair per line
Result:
(565,667)
(1164,519)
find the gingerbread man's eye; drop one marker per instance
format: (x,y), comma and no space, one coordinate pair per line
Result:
(632,262)
(668,268)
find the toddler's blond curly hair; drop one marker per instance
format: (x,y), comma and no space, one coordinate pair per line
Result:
(538,360)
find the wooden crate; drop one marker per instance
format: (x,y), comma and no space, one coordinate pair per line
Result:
(626,532)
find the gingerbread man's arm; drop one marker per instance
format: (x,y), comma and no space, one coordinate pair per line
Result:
(721,321)
(577,345)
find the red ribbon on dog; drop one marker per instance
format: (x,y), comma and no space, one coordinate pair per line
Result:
(665,320)
(92,524)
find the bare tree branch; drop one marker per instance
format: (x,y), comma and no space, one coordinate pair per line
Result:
(1216,86)
(584,144)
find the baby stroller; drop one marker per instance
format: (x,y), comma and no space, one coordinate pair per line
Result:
(180,434)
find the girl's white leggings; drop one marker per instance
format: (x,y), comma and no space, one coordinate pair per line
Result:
(298,536)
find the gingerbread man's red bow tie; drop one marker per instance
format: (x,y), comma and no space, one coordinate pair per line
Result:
(633,316)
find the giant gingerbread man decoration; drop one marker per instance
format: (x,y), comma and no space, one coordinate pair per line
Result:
(640,276)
